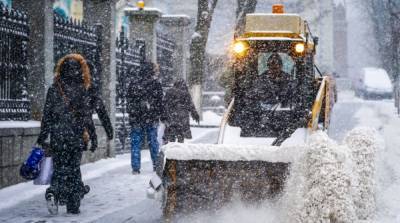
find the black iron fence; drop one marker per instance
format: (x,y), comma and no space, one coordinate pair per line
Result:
(165,58)
(129,56)
(73,36)
(14,36)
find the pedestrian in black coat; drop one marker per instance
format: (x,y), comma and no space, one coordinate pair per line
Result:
(145,108)
(144,97)
(67,119)
(178,106)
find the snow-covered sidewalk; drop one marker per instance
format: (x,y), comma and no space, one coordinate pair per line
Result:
(113,189)
(116,195)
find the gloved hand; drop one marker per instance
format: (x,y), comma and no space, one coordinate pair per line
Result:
(164,120)
(93,147)
(196,117)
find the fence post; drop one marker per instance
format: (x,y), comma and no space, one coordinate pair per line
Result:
(142,27)
(40,50)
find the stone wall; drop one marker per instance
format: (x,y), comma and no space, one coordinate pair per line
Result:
(16,144)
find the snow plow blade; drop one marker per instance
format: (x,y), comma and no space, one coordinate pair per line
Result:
(206,177)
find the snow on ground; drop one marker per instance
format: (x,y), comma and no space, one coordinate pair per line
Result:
(209,119)
(113,188)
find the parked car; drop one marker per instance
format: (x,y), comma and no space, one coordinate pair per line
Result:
(373,83)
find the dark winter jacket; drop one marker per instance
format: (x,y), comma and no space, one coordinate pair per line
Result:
(67,111)
(144,98)
(66,117)
(272,90)
(178,106)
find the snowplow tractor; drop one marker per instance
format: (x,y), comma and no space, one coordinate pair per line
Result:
(276,94)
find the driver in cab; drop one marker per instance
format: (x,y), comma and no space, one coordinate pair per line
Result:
(271,88)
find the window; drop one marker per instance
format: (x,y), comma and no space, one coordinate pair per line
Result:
(287,62)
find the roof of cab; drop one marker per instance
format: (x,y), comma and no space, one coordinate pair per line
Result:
(272,25)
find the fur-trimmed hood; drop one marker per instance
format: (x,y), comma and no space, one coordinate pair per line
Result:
(84,68)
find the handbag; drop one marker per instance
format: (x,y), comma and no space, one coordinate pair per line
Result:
(46,172)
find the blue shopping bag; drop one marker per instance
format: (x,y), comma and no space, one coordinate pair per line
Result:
(30,169)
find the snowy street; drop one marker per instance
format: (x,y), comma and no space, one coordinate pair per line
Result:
(118,196)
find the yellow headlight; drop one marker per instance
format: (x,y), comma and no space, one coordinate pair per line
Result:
(240,47)
(299,48)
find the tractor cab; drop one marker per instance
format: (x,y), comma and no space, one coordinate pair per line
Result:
(274,75)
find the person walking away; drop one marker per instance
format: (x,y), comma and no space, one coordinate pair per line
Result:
(67,121)
(145,107)
(178,106)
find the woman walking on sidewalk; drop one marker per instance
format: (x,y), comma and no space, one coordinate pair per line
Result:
(67,119)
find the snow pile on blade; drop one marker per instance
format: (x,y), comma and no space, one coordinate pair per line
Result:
(179,151)
(333,183)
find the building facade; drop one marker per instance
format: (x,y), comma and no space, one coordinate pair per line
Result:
(340,39)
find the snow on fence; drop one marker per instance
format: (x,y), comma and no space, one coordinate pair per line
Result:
(14,37)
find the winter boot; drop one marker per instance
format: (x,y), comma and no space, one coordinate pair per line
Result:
(52,204)
(73,211)
(73,207)
(135,172)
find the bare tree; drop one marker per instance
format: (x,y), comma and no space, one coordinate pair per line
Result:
(198,47)
(385,17)
(243,8)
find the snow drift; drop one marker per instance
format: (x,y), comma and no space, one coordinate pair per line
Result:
(331,182)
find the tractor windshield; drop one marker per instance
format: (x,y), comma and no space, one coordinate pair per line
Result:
(288,65)
(269,88)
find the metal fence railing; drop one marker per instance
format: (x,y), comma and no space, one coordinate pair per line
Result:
(72,36)
(14,37)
